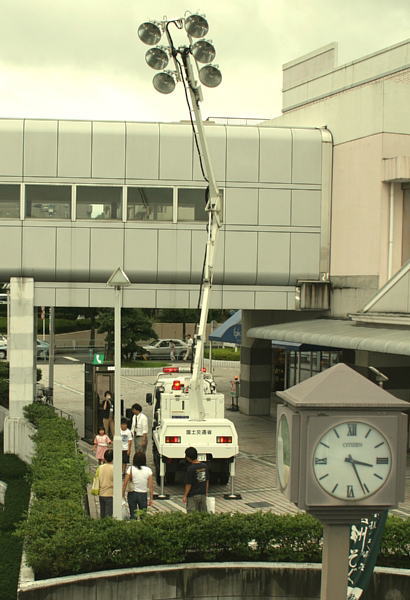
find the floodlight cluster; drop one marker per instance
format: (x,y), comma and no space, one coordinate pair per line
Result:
(202,50)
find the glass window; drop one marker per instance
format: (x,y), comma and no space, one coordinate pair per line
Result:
(149,204)
(9,201)
(99,202)
(48,201)
(191,205)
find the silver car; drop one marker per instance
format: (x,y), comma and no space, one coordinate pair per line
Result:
(161,348)
(42,348)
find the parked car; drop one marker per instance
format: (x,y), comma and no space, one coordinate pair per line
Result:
(42,349)
(160,348)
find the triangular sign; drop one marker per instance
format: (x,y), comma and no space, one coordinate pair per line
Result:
(118,278)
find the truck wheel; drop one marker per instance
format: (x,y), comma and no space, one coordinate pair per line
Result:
(169,478)
(224,478)
(155,456)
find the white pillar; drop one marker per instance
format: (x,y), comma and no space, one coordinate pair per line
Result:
(21,356)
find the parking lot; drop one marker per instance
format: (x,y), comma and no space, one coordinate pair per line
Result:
(255,477)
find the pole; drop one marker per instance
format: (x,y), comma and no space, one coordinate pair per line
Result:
(334,568)
(50,356)
(117,499)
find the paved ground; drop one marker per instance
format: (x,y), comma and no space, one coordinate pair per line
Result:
(256,474)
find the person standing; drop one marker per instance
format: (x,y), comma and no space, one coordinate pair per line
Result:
(101,443)
(107,413)
(140,484)
(106,485)
(139,428)
(126,439)
(196,482)
(190,342)
(172,351)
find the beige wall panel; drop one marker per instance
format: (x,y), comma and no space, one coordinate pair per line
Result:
(175,154)
(242,154)
(108,150)
(74,149)
(216,139)
(11,147)
(275,155)
(40,148)
(142,160)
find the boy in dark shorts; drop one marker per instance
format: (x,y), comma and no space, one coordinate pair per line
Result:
(126,440)
(196,483)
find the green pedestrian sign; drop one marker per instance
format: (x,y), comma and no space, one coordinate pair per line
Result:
(98,359)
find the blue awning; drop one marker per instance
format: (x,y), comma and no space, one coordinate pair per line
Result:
(230,331)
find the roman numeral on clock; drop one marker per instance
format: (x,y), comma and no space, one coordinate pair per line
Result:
(349,492)
(320,461)
(352,429)
(382,461)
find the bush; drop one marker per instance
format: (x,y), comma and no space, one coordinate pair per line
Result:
(223,354)
(395,546)
(13,472)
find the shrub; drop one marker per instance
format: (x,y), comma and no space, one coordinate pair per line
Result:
(223,354)
(13,472)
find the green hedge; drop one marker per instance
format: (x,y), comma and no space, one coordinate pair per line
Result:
(223,354)
(13,471)
(61,540)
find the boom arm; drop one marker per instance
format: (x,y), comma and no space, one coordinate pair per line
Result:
(213,207)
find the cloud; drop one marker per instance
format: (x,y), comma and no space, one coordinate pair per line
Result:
(84,58)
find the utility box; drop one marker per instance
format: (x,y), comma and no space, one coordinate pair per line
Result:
(98,379)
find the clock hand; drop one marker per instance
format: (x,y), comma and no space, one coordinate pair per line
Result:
(350,460)
(359,462)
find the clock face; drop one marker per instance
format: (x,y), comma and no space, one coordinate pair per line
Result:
(283,452)
(352,460)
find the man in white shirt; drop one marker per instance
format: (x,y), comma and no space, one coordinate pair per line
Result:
(139,428)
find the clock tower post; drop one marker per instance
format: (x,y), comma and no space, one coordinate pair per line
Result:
(341,456)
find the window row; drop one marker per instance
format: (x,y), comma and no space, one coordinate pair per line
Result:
(103,202)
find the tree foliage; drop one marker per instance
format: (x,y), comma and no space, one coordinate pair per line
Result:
(135,326)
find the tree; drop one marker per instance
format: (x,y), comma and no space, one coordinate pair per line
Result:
(135,326)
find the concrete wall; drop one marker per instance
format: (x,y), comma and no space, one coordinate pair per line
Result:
(227,581)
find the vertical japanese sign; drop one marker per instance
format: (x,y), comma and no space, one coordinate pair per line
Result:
(365,540)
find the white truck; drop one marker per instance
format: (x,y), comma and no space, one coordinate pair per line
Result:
(174,429)
(195,417)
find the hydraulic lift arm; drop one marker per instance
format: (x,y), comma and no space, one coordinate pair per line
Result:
(213,207)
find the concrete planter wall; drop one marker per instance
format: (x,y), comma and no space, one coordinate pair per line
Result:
(210,581)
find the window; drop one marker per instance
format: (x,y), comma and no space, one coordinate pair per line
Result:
(9,201)
(149,204)
(48,201)
(191,205)
(99,202)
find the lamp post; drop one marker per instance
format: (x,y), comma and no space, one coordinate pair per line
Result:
(191,60)
(118,280)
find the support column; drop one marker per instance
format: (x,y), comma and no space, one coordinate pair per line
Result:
(21,356)
(256,366)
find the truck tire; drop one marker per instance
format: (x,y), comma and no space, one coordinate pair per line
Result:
(169,477)
(224,478)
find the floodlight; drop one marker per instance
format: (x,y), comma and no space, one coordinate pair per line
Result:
(203,51)
(149,33)
(196,26)
(210,76)
(157,58)
(164,82)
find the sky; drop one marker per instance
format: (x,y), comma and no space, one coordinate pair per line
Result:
(72,59)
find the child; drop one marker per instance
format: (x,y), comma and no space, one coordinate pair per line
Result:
(101,443)
(126,439)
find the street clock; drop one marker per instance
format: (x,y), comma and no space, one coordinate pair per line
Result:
(341,445)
